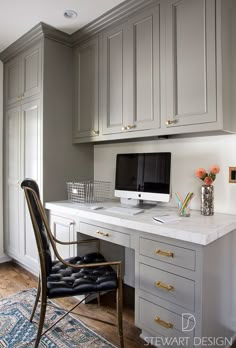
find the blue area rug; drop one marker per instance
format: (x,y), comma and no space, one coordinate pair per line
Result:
(16,331)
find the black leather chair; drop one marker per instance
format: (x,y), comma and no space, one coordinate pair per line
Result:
(75,276)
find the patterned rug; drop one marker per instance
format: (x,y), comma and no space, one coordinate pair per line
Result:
(16,331)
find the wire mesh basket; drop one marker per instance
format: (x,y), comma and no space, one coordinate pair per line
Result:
(89,191)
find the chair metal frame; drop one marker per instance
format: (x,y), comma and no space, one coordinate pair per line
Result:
(42,282)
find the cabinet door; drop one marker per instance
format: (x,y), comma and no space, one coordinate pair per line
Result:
(64,230)
(31,72)
(30,134)
(142,97)
(114,60)
(13,81)
(13,221)
(86,87)
(190,62)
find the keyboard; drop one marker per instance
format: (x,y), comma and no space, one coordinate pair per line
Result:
(125,211)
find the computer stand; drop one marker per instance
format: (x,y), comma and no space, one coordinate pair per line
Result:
(136,203)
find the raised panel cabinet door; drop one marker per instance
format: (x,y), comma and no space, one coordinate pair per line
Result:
(31,71)
(13,81)
(63,229)
(31,154)
(190,62)
(86,87)
(12,173)
(114,48)
(142,93)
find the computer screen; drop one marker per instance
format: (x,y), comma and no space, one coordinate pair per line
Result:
(143,176)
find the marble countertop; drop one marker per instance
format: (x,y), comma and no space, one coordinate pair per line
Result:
(197,228)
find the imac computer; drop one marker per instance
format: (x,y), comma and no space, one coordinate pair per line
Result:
(143,177)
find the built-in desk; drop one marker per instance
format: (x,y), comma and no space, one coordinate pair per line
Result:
(180,267)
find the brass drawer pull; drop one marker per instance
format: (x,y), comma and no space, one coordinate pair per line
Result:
(104,234)
(164,286)
(131,126)
(169,122)
(163,323)
(124,128)
(165,253)
(95,132)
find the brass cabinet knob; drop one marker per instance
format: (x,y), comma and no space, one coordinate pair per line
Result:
(124,128)
(95,132)
(169,122)
(19,98)
(131,126)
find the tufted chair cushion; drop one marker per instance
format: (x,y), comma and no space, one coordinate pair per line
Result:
(68,281)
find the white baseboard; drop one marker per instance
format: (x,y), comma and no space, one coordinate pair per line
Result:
(4,258)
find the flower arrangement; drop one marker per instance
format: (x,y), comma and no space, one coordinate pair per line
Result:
(208,178)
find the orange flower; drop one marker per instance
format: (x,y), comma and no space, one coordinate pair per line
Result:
(208,180)
(200,173)
(209,177)
(215,169)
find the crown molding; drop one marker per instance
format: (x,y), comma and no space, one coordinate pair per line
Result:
(56,35)
(41,30)
(118,13)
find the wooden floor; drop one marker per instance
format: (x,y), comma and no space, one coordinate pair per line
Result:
(13,278)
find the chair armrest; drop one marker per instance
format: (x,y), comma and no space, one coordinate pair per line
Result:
(75,242)
(87,265)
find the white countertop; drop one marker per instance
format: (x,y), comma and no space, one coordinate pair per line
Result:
(197,228)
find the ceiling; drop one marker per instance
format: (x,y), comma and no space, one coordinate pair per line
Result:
(19,16)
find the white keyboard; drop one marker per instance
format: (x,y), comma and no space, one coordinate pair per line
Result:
(125,211)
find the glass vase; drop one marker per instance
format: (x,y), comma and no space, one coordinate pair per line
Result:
(207,200)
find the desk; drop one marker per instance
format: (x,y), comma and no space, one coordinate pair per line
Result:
(182,267)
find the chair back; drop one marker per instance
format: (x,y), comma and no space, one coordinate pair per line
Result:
(38,218)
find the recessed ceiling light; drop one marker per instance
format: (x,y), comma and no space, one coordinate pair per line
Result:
(70,14)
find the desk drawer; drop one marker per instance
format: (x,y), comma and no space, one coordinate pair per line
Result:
(163,322)
(169,286)
(105,234)
(172,254)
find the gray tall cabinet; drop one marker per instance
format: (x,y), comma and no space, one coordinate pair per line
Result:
(38,106)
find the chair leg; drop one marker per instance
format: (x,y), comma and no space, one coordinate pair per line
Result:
(41,318)
(36,300)
(119,307)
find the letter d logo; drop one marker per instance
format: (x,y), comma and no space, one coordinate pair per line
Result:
(188,322)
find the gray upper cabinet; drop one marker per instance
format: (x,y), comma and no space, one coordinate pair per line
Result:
(31,79)
(114,49)
(86,89)
(23,76)
(166,69)
(131,74)
(143,88)
(190,62)
(13,81)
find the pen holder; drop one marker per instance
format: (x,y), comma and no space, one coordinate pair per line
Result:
(184,211)
(184,204)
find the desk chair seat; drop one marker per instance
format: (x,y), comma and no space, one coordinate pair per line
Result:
(84,275)
(67,281)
